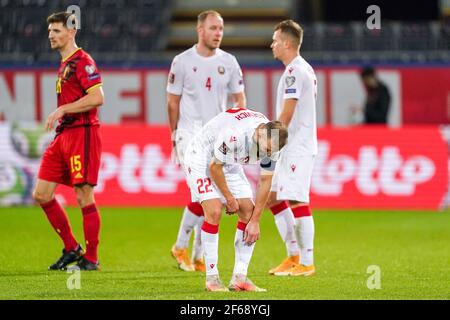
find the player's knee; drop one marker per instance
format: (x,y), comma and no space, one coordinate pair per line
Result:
(83,200)
(84,196)
(245,214)
(40,197)
(213,216)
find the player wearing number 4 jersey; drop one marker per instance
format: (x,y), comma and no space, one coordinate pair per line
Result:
(199,82)
(296,109)
(73,158)
(237,136)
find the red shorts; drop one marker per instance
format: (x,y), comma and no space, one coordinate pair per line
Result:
(73,157)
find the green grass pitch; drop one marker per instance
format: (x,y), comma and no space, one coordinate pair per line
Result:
(412,250)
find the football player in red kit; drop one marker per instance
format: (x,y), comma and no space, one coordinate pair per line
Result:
(73,158)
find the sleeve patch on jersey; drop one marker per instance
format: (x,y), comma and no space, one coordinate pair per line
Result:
(292,90)
(290,81)
(223,148)
(171,78)
(94,76)
(89,69)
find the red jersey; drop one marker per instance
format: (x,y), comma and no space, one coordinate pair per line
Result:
(77,75)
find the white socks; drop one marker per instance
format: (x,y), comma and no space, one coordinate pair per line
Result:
(242,252)
(197,248)
(188,223)
(285,222)
(210,240)
(304,229)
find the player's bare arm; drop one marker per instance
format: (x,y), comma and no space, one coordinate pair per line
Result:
(216,170)
(93,99)
(288,111)
(173,109)
(251,233)
(240,100)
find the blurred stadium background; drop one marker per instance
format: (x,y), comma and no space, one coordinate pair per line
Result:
(401,166)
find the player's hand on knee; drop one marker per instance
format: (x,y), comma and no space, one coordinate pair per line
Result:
(251,233)
(232,206)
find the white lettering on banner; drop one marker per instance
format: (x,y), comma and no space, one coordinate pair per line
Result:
(329,177)
(121,96)
(154,161)
(20,103)
(365,180)
(130,161)
(417,169)
(135,171)
(396,176)
(108,170)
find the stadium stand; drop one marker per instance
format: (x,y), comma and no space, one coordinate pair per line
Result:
(115,31)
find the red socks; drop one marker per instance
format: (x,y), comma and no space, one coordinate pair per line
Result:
(59,221)
(196,208)
(302,211)
(276,209)
(241,226)
(210,228)
(91,224)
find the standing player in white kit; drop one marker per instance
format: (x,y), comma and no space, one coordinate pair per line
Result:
(199,82)
(296,109)
(239,136)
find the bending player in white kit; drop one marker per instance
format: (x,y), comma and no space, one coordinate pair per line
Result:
(236,136)
(296,109)
(199,82)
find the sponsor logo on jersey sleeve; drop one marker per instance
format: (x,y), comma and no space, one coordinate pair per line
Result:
(291,90)
(221,70)
(94,76)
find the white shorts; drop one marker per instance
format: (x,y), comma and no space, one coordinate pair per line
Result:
(182,138)
(292,177)
(203,188)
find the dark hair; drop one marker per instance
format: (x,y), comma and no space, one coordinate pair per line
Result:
(291,29)
(367,71)
(62,17)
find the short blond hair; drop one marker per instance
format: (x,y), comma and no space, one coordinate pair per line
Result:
(279,129)
(204,15)
(291,29)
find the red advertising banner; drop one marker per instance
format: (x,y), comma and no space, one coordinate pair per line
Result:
(381,168)
(426,95)
(419,95)
(358,167)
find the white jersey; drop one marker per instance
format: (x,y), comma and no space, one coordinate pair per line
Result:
(228,137)
(299,82)
(204,84)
